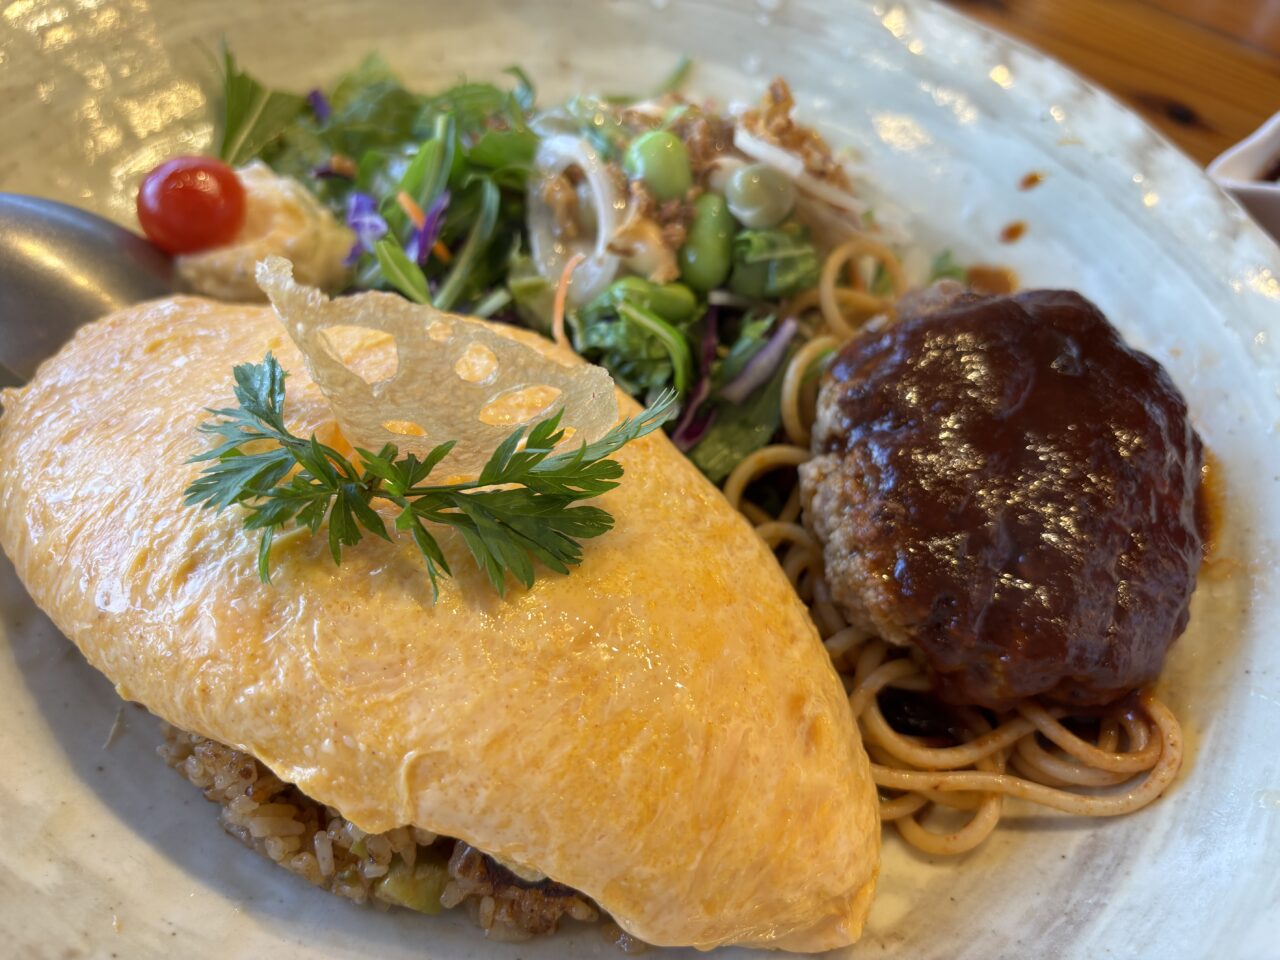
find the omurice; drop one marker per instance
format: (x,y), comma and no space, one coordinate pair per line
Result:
(657,735)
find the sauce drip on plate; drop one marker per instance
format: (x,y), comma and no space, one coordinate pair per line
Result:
(1013,232)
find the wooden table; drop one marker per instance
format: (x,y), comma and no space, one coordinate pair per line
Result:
(1205,72)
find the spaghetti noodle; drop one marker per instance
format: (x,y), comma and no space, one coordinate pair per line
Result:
(1028,753)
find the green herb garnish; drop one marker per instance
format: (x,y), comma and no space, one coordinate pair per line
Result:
(253,115)
(521,508)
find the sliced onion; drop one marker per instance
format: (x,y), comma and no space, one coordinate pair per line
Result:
(652,109)
(840,199)
(831,227)
(765,152)
(555,155)
(793,166)
(762,366)
(690,433)
(893,224)
(727,298)
(555,122)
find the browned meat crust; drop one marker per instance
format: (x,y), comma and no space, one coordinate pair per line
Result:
(1006,486)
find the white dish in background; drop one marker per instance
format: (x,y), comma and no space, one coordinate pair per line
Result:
(1240,171)
(108,852)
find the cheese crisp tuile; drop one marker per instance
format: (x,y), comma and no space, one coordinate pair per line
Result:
(661,729)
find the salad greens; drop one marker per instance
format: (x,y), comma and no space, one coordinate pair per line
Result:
(775,263)
(438,189)
(739,430)
(639,331)
(432,185)
(252,115)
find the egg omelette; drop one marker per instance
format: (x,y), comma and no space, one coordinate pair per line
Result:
(661,729)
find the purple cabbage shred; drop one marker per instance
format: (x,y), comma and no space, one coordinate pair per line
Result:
(762,366)
(692,427)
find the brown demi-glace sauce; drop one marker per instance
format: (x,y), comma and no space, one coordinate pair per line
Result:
(1015,490)
(1209,501)
(1013,231)
(1211,506)
(983,278)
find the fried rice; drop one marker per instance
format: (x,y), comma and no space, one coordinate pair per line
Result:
(405,867)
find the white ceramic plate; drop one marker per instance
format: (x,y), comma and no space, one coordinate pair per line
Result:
(107,853)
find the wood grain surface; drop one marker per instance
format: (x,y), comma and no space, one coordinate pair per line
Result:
(1205,72)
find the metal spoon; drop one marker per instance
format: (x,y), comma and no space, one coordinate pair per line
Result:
(60,268)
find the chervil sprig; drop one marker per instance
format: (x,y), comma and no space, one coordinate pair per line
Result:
(522,508)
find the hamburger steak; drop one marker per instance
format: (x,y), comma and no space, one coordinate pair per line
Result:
(1005,486)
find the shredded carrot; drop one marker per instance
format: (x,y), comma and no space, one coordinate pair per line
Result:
(562,294)
(441,252)
(411,209)
(342,164)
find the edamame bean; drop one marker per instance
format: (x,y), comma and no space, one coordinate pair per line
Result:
(707,253)
(759,196)
(661,160)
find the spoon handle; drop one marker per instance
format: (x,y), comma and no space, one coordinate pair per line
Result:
(61,268)
(8,378)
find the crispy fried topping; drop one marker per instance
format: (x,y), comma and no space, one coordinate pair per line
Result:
(772,122)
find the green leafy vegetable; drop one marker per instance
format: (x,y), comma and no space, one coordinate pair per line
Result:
(481,232)
(639,332)
(740,430)
(525,94)
(752,336)
(672,340)
(531,292)
(471,139)
(477,107)
(464,154)
(507,153)
(371,111)
(495,301)
(592,118)
(769,264)
(424,177)
(520,510)
(945,268)
(252,115)
(401,272)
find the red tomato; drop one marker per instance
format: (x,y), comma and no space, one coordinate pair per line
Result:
(191,203)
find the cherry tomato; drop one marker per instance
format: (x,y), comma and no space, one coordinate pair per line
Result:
(191,203)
